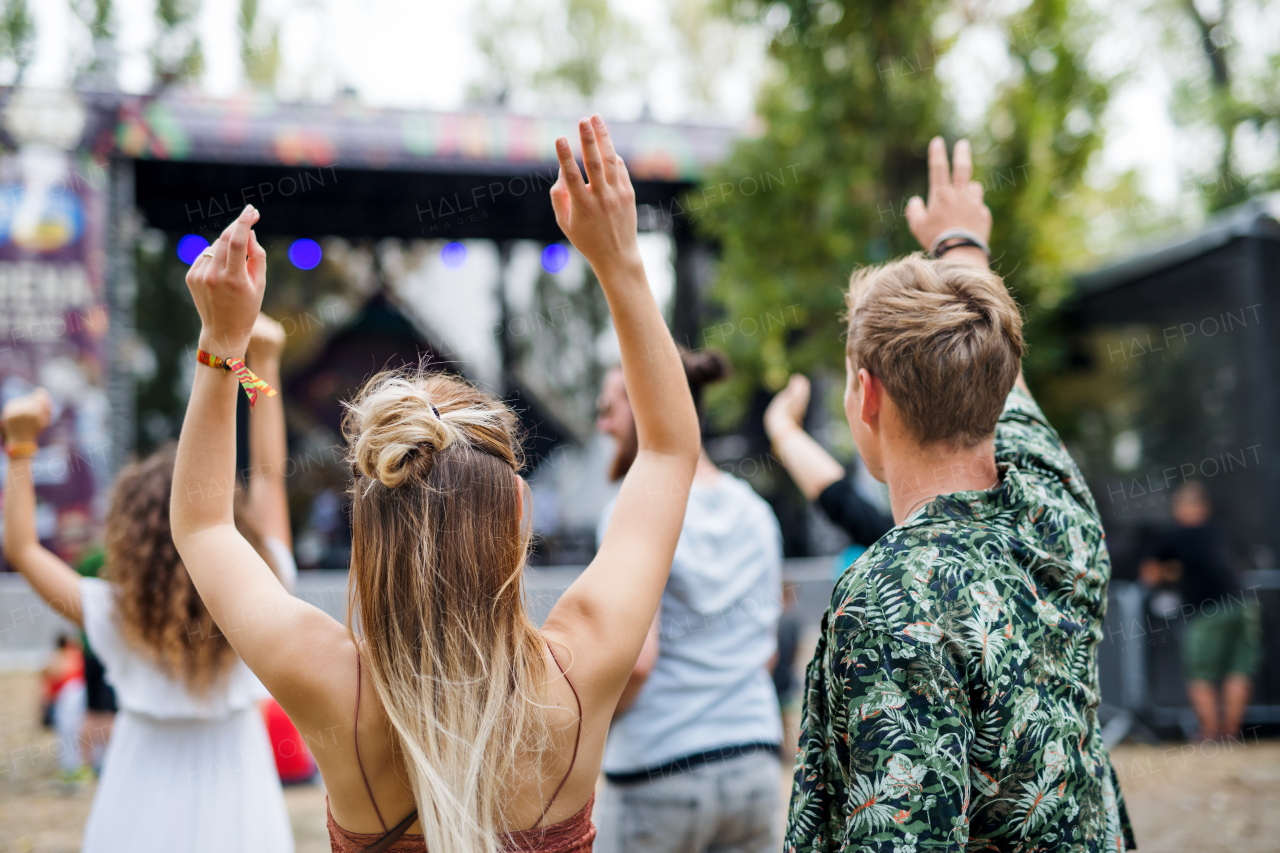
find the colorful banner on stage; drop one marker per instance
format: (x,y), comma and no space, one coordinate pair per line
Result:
(53,326)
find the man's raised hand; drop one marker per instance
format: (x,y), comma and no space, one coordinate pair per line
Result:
(227,284)
(955,201)
(599,217)
(787,409)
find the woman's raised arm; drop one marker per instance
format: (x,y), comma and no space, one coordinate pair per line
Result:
(268,446)
(285,641)
(609,609)
(52,579)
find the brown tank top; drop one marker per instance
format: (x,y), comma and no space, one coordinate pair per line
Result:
(572,835)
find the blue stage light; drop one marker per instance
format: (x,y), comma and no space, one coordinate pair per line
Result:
(190,247)
(555,257)
(305,254)
(453,254)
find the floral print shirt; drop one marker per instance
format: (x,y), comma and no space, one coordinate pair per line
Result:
(951,703)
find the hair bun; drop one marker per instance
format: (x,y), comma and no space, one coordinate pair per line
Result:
(392,424)
(704,367)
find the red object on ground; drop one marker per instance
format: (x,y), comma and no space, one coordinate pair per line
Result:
(69,668)
(293,760)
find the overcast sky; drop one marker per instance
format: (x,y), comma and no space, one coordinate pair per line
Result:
(421,53)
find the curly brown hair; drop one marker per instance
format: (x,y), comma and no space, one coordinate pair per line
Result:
(160,613)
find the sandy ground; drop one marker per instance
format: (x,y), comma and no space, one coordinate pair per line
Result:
(1213,797)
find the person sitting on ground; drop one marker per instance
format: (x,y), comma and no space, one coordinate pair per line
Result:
(699,721)
(820,478)
(188,766)
(1222,641)
(442,718)
(952,697)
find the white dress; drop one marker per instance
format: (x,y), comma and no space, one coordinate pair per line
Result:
(183,772)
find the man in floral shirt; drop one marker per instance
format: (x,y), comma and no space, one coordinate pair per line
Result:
(951,703)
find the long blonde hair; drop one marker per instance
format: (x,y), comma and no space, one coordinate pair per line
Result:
(437,553)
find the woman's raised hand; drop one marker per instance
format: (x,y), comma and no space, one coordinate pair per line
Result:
(27,416)
(266,340)
(227,284)
(599,217)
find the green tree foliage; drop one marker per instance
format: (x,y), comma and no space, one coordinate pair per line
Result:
(259,46)
(850,112)
(1034,150)
(176,53)
(96,67)
(1217,88)
(706,42)
(498,31)
(96,15)
(593,31)
(552,51)
(17,35)
(847,118)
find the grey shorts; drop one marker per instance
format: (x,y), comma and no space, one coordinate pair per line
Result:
(728,806)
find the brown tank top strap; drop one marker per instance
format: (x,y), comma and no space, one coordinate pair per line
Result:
(384,843)
(577,738)
(355,736)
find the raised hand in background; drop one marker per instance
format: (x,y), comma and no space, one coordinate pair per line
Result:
(24,418)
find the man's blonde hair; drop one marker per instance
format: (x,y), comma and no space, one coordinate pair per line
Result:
(945,340)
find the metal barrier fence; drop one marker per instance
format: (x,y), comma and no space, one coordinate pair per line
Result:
(1139,661)
(29,628)
(1140,665)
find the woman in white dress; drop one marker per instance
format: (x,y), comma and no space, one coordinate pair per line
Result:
(189,766)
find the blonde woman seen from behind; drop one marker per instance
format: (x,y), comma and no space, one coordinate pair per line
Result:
(441,718)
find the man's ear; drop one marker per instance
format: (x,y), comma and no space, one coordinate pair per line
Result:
(871,394)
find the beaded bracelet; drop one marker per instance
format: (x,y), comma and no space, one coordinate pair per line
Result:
(249,380)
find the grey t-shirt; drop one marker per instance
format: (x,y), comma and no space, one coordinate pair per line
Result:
(710,687)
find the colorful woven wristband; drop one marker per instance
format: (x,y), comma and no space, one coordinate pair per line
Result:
(249,380)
